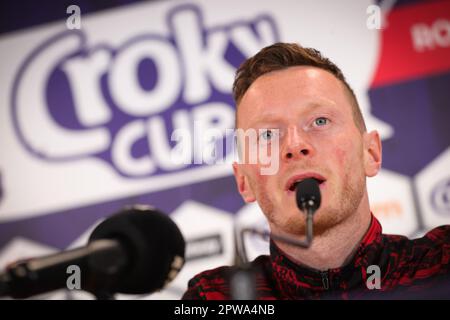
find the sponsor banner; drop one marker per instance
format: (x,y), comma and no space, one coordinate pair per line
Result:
(410,93)
(416,42)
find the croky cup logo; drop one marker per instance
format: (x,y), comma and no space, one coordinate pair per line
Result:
(74,100)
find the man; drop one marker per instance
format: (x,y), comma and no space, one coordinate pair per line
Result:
(297,96)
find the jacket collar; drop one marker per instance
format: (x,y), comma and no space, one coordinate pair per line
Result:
(295,280)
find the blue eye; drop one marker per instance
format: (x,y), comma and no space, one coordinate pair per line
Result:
(267,134)
(321,121)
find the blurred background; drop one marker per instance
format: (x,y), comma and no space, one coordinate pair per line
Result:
(91,91)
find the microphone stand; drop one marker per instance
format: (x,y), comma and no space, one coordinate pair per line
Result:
(267,235)
(243,278)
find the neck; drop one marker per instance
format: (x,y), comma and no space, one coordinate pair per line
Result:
(335,247)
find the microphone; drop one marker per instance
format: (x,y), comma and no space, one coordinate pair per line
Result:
(307,196)
(136,251)
(242,280)
(308,199)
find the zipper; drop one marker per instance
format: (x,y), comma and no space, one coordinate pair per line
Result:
(325,281)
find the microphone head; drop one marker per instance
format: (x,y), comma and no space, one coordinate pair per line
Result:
(153,243)
(308,194)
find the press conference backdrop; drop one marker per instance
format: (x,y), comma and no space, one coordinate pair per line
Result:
(86,116)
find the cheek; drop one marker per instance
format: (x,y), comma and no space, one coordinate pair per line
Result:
(260,183)
(339,158)
(347,158)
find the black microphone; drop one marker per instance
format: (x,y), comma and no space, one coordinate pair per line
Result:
(242,279)
(136,251)
(307,195)
(308,199)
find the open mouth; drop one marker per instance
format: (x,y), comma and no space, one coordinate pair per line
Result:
(295,181)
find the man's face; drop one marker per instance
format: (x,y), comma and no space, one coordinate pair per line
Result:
(317,138)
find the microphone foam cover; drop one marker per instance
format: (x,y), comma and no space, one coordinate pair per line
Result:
(308,194)
(153,243)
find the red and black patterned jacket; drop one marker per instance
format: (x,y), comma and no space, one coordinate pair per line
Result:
(409,269)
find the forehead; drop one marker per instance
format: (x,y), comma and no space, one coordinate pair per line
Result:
(294,88)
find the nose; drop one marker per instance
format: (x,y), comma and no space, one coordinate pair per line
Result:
(296,145)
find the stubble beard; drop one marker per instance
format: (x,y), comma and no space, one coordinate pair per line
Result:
(325,218)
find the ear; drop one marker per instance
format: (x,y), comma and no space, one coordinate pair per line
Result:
(242,183)
(372,153)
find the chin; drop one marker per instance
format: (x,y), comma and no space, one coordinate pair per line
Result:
(295,223)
